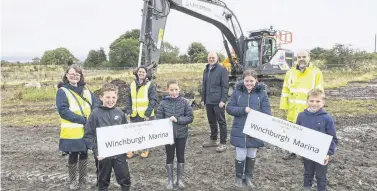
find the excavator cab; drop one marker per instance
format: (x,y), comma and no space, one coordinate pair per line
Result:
(264,54)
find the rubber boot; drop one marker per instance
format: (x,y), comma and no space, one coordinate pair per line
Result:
(249,168)
(83,173)
(180,171)
(72,173)
(239,172)
(169,169)
(125,188)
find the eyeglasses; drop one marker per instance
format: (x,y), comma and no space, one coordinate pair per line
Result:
(75,75)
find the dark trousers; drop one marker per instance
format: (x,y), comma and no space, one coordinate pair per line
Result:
(72,158)
(120,166)
(178,146)
(216,115)
(320,172)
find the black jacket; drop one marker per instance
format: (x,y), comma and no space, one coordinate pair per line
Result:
(215,84)
(180,109)
(152,96)
(101,117)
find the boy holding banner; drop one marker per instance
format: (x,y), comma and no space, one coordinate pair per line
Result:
(248,95)
(316,118)
(180,113)
(103,116)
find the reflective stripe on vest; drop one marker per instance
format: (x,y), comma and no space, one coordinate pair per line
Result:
(299,85)
(70,130)
(140,100)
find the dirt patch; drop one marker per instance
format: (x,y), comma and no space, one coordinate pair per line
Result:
(355,90)
(34,163)
(31,161)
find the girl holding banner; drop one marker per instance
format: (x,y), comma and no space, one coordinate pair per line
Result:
(180,113)
(248,94)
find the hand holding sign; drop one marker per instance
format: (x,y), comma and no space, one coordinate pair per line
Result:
(247,109)
(100,158)
(326,160)
(172,118)
(303,141)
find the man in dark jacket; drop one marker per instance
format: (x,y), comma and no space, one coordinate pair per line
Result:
(214,97)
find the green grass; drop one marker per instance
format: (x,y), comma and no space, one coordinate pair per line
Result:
(15,98)
(30,119)
(35,94)
(336,79)
(351,108)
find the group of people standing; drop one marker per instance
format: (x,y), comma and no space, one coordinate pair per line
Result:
(81,113)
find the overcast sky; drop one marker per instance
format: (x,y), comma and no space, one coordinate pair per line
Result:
(29,27)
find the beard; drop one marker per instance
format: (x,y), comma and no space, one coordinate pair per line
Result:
(302,64)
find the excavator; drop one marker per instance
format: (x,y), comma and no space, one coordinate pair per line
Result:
(258,49)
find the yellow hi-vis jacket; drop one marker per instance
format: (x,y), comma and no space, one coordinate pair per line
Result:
(295,90)
(140,100)
(71,130)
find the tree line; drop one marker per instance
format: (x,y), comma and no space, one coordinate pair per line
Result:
(124,51)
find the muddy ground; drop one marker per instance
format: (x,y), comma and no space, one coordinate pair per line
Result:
(30,159)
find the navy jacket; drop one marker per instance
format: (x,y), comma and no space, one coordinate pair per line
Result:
(215,84)
(101,117)
(62,105)
(319,121)
(257,100)
(179,108)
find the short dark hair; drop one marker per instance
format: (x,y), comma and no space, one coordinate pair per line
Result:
(108,87)
(77,69)
(171,82)
(250,72)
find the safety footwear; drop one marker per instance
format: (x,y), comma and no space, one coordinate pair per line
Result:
(125,188)
(221,148)
(211,143)
(180,171)
(239,166)
(83,173)
(72,173)
(289,156)
(144,154)
(249,168)
(169,170)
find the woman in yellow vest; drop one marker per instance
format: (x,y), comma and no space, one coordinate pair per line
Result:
(141,102)
(74,103)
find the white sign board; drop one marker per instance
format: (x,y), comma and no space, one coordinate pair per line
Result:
(118,139)
(303,141)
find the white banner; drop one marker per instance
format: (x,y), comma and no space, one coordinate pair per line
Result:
(303,141)
(118,139)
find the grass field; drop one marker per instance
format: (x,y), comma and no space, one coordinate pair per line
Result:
(20,100)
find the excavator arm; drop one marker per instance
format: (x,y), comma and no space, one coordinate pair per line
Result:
(155,13)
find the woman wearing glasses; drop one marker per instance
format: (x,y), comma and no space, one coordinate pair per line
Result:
(74,103)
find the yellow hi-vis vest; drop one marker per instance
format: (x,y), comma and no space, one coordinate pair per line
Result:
(140,100)
(296,88)
(70,130)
